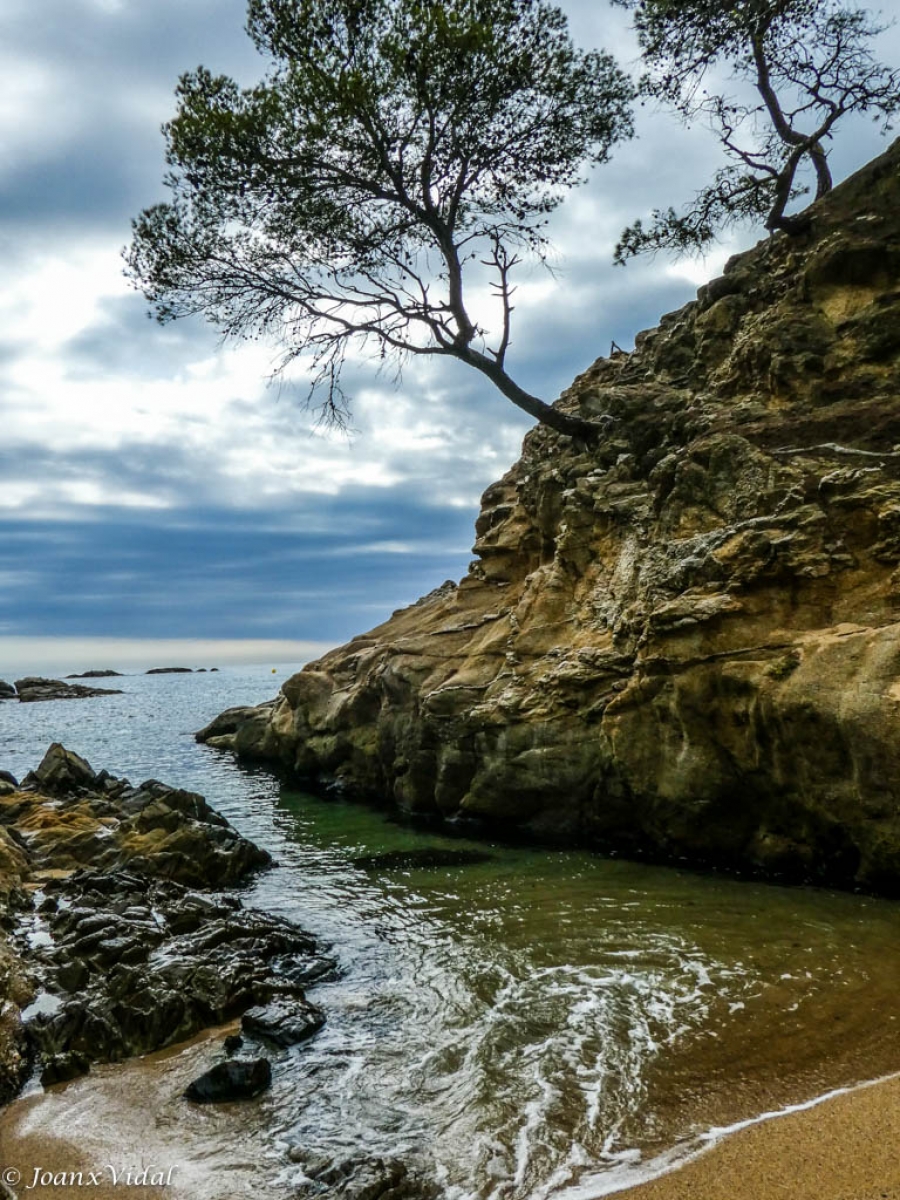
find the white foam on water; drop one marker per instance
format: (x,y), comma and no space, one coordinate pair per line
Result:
(597,1185)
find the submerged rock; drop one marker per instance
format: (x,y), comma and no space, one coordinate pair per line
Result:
(361,1179)
(427,856)
(684,641)
(236,1079)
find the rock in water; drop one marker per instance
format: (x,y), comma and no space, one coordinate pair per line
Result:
(33,688)
(62,770)
(681,641)
(236,1079)
(284,1022)
(7,691)
(95,674)
(362,1179)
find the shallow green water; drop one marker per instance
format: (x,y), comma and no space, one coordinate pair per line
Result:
(517,1024)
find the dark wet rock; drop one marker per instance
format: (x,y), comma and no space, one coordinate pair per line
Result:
(60,1068)
(361,1179)
(34,688)
(169,671)
(96,675)
(8,777)
(236,1079)
(127,974)
(427,856)
(62,770)
(318,968)
(233,1043)
(285,1022)
(128,939)
(7,691)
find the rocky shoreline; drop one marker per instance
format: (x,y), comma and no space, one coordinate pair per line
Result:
(122,933)
(683,643)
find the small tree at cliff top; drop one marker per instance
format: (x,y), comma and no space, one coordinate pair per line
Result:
(809,63)
(392,147)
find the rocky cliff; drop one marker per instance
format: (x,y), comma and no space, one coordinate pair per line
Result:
(685,640)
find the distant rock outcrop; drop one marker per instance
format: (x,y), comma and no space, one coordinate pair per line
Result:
(7,691)
(685,641)
(96,675)
(34,688)
(169,671)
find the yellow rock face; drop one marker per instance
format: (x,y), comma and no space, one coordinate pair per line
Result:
(684,640)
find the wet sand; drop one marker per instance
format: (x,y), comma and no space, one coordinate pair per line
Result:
(131,1116)
(845,1148)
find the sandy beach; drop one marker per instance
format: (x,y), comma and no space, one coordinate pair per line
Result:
(845,1148)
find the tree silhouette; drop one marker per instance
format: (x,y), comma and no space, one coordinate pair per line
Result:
(809,63)
(395,151)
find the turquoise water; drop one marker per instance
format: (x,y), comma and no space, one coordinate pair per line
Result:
(540,1024)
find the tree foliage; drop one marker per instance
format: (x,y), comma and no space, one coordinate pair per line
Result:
(804,64)
(392,148)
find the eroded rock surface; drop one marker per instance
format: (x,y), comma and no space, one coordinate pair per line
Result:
(684,641)
(122,939)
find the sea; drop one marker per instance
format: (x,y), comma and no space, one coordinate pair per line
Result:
(545,1024)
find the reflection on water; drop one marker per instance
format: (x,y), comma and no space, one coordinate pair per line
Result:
(515,1025)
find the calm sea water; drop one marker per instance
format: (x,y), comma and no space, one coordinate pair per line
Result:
(544,1024)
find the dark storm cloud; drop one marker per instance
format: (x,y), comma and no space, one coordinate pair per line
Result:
(95,158)
(125,577)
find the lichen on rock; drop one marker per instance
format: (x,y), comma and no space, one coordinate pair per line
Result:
(684,641)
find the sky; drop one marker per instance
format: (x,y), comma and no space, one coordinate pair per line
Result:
(156,490)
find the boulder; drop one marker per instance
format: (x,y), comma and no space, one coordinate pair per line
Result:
(62,770)
(7,691)
(284,1022)
(236,1079)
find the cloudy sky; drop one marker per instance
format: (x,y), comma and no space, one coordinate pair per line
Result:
(152,485)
